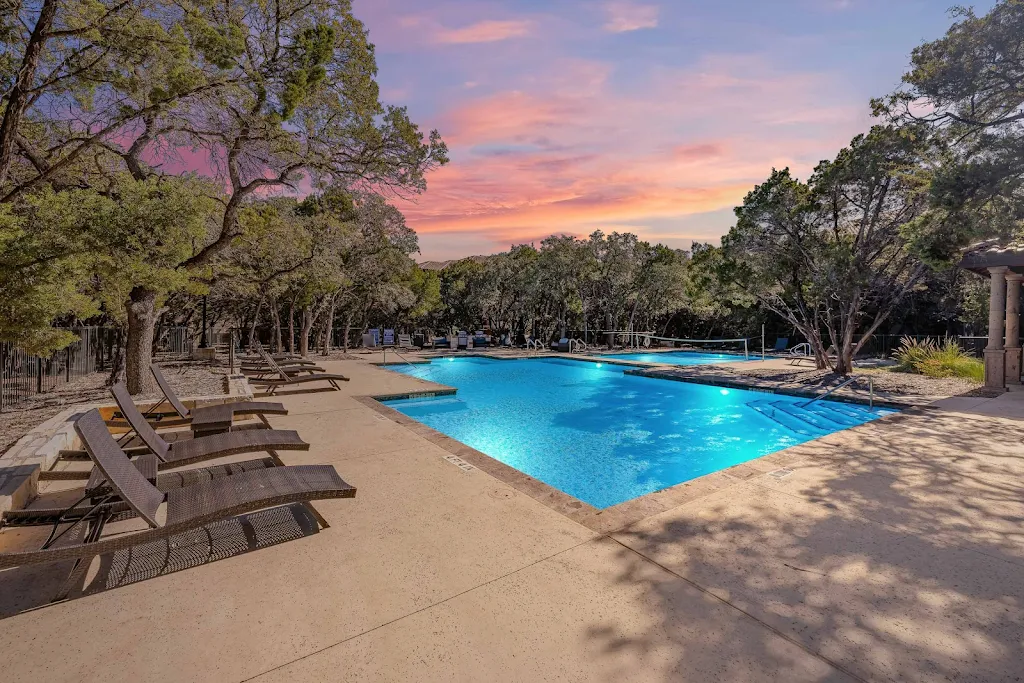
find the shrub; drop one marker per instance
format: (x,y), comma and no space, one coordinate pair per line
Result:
(945,359)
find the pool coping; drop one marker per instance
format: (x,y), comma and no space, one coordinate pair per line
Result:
(617,516)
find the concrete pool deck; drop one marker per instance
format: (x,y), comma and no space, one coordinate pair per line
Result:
(891,551)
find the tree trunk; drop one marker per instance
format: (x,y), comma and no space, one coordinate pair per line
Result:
(139,346)
(307,321)
(275,316)
(255,322)
(17,97)
(348,328)
(328,329)
(291,326)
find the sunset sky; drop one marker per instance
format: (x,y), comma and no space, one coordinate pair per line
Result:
(566,116)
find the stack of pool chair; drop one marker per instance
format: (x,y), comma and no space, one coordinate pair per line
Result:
(274,376)
(134,481)
(480,340)
(463,340)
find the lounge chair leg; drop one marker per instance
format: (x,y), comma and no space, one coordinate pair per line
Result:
(276,458)
(82,564)
(319,518)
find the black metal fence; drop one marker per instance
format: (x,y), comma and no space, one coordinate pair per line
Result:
(23,375)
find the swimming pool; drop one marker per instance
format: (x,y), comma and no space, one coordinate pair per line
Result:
(677,357)
(605,437)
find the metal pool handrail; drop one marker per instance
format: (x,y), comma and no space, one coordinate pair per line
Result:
(833,390)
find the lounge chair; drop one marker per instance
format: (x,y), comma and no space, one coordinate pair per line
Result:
(562,345)
(463,340)
(188,507)
(265,369)
(216,418)
(189,451)
(283,379)
(405,341)
(389,338)
(781,344)
(802,352)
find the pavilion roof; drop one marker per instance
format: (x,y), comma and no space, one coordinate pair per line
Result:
(981,256)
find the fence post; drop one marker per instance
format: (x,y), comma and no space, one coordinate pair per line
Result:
(39,375)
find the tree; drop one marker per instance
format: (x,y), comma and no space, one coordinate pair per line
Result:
(968,90)
(833,254)
(271,92)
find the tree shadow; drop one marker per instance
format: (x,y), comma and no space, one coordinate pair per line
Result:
(895,551)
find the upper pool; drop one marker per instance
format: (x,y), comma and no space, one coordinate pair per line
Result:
(677,357)
(606,437)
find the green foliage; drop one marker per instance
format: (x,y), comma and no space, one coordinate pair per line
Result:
(72,253)
(966,87)
(834,253)
(944,359)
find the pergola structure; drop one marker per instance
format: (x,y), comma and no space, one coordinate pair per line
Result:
(1003,264)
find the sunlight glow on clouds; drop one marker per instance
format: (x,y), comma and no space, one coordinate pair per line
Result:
(656,117)
(484,32)
(627,16)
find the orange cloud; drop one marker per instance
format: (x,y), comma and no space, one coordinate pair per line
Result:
(483,32)
(572,151)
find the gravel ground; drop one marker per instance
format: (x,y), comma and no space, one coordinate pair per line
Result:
(886,380)
(188,379)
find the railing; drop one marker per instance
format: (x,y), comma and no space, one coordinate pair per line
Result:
(832,391)
(23,375)
(577,346)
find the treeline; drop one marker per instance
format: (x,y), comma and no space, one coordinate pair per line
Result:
(102,101)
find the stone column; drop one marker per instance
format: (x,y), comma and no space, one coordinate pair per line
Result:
(1012,350)
(995,357)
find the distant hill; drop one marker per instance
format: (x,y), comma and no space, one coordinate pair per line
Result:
(440,265)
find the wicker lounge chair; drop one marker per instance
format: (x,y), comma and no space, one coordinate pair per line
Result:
(188,451)
(187,507)
(283,379)
(266,370)
(216,418)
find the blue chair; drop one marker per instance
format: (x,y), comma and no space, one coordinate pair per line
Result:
(781,344)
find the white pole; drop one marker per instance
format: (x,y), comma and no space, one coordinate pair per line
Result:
(762,342)
(746,352)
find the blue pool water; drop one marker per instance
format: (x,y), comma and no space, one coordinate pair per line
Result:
(677,357)
(606,437)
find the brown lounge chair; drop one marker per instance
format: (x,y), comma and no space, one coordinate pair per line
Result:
(216,418)
(188,451)
(290,370)
(188,507)
(283,379)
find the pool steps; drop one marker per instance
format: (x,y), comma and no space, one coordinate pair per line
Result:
(812,419)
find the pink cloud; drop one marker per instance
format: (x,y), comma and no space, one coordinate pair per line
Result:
(483,32)
(628,16)
(570,151)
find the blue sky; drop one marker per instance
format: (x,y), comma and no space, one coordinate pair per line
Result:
(653,117)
